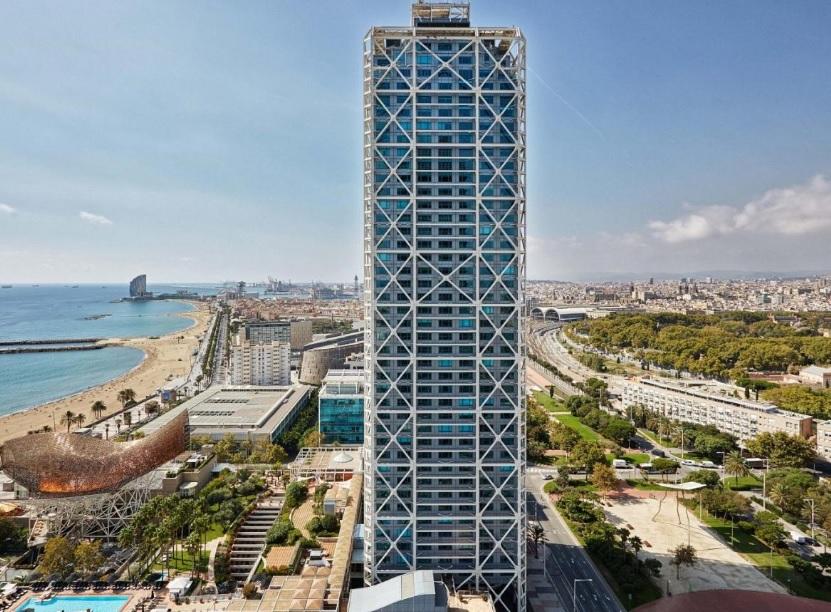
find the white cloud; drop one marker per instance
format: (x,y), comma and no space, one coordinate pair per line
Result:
(9,210)
(95,219)
(793,211)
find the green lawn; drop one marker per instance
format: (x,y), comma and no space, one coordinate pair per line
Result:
(549,403)
(572,422)
(637,458)
(214,532)
(759,554)
(745,483)
(183,562)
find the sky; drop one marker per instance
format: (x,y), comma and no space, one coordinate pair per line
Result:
(210,141)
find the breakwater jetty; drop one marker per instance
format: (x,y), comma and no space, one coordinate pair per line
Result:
(49,345)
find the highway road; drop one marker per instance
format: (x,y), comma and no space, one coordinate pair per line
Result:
(567,561)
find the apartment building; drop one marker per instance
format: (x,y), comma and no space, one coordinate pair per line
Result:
(264,364)
(296,332)
(695,403)
(824,439)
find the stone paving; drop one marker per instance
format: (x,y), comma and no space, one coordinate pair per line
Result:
(663,524)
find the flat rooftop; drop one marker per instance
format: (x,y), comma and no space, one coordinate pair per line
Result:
(343,382)
(237,408)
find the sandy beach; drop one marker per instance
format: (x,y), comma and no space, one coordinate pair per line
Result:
(166,358)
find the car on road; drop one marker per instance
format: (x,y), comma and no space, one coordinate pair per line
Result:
(689,463)
(548,477)
(657,452)
(801,538)
(708,464)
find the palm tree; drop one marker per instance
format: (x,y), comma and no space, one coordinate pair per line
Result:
(683,555)
(125,396)
(193,546)
(779,494)
(151,407)
(537,535)
(68,419)
(734,465)
(636,544)
(80,418)
(99,408)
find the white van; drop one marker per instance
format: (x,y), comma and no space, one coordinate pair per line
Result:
(619,463)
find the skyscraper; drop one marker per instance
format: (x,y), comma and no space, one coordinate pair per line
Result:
(444,257)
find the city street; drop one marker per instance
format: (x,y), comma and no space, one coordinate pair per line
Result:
(565,560)
(190,386)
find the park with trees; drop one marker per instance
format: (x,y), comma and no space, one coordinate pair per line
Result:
(723,346)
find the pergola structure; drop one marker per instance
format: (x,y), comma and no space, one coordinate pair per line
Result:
(330,463)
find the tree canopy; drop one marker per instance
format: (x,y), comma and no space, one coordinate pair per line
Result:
(781,449)
(721,345)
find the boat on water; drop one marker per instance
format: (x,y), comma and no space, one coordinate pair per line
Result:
(5,287)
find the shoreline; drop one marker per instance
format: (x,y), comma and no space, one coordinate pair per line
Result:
(164,358)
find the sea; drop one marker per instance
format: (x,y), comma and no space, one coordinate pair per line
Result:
(36,312)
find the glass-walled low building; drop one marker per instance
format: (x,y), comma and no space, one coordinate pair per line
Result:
(341,407)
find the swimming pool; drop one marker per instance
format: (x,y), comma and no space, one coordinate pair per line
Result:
(71,603)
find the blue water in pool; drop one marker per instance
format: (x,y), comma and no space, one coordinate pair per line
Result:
(69,603)
(58,311)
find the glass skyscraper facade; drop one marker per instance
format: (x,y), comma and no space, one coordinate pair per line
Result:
(444,256)
(341,407)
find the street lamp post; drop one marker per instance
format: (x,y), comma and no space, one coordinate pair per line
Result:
(765,484)
(574,592)
(811,500)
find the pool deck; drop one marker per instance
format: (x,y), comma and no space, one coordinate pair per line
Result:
(134,596)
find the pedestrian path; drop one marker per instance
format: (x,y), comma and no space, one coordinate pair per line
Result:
(542,596)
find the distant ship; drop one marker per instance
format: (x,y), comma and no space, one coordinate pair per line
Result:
(6,287)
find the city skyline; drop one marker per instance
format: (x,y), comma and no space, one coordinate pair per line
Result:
(652,145)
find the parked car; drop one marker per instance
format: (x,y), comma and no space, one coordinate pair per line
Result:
(619,463)
(657,452)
